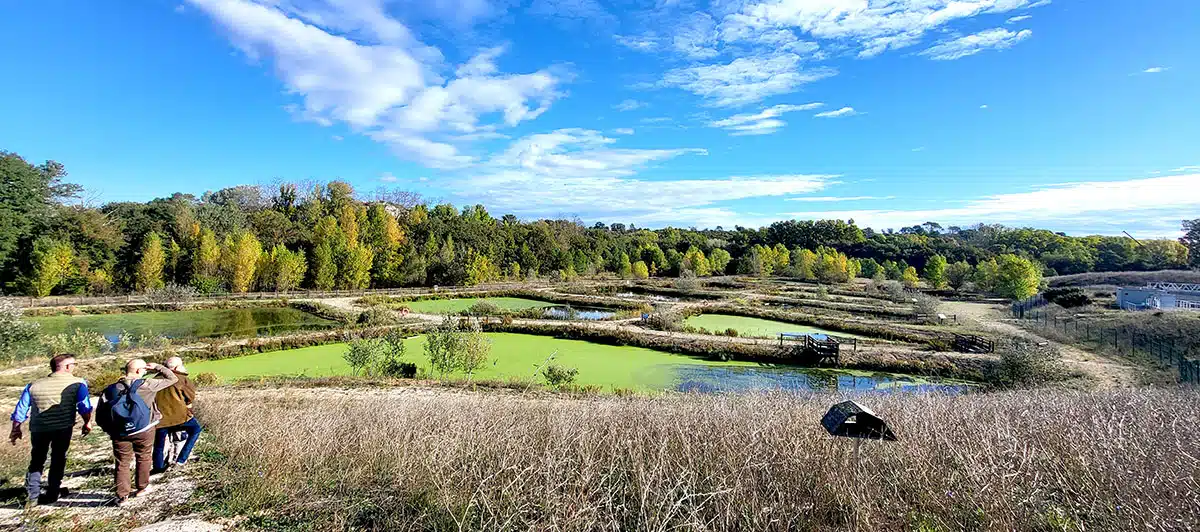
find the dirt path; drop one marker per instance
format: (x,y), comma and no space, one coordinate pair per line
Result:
(1107,371)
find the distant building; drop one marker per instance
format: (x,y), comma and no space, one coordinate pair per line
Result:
(1160,296)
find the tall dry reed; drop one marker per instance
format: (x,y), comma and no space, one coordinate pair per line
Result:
(1043,460)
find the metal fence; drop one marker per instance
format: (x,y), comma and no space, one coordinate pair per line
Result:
(1122,341)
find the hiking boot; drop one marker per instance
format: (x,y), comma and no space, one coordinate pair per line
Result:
(156,471)
(47,498)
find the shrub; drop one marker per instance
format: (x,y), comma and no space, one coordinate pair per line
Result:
(18,338)
(484,307)
(456,345)
(1025,364)
(731,332)
(687,281)
(893,289)
(557,375)
(207,379)
(171,294)
(822,292)
(1069,297)
(362,354)
(80,342)
(665,319)
(926,304)
(376,316)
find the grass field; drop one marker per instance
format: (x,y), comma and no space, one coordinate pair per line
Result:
(241,322)
(754,326)
(452,306)
(516,355)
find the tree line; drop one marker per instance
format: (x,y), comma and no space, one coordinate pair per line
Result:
(329,236)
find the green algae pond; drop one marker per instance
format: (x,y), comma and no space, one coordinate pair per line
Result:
(519,356)
(551,310)
(210,323)
(755,327)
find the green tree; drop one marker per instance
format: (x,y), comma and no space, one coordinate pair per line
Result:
(283,269)
(718,261)
(910,278)
(384,237)
(935,271)
(987,274)
(639,270)
(869,268)
(28,196)
(958,274)
(481,269)
(207,258)
(53,261)
(1191,239)
(241,261)
(624,267)
(1017,277)
(324,269)
(803,264)
(354,268)
(149,273)
(695,261)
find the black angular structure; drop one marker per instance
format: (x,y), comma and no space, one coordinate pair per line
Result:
(852,420)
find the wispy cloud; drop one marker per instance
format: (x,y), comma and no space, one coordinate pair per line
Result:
(657,120)
(840,198)
(387,177)
(919,148)
(1155,70)
(845,111)
(630,105)
(623,131)
(984,106)
(1016,19)
(1090,206)
(763,122)
(746,79)
(968,45)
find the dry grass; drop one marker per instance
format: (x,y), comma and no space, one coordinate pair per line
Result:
(1044,460)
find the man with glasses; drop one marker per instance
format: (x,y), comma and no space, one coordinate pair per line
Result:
(50,404)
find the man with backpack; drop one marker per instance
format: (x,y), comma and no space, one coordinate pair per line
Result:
(175,403)
(50,404)
(128,414)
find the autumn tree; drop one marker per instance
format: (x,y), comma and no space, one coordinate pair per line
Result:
(910,278)
(149,273)
(354,267)
(718,261)
(281,269)
(53,261)
(639,270)
(240,261)
(324,269)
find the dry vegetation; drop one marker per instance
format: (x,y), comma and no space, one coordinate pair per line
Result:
(1044,460)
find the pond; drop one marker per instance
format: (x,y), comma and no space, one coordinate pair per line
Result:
(567,312)
(758,327)
(454,306)
(609,367)
(242,322)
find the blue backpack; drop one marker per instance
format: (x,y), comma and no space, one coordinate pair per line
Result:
(123,411)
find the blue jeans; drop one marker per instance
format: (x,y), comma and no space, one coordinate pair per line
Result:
(161,435)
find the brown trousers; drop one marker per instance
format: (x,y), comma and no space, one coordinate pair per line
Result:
(139,448)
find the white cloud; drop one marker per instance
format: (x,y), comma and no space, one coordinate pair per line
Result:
(745,79)
(641,43)
(630,105)
(582,171)
(919,148)
(763,122)
(387,177)
(1016,19)
(1155,70)
(840,198)
(578,10)
(695,36)
(1089,206)
(984,106)
(338,138)
(379,79)
(968,45)
(1189,168)
(657,120)
(845,111)
(623,131)
(180,8)
(871,27)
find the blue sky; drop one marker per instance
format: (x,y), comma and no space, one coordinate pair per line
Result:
(1078,116)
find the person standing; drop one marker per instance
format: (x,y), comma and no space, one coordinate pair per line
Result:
(50,404)
(175,403)
(127,412)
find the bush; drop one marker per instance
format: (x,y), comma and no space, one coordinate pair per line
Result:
(1068,297)
(81,343)
(666,319)
(557,375)
(687,281)
(362,354)
(206,379)
(484,307)
(18,338)
(1026,364)
(171,294)
(376,316)
(822,292)
(926,304)
(731,332)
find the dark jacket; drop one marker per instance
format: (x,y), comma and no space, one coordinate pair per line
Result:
(173,402)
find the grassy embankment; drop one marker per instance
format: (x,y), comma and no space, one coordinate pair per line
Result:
(1042,460)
